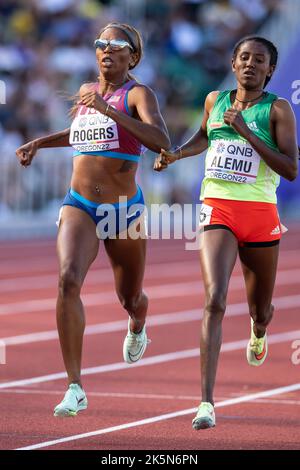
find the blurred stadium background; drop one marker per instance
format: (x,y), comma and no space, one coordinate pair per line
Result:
(46,52)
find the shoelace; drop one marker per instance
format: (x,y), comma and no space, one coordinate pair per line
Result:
(257,345)
(206,407)
(134,339)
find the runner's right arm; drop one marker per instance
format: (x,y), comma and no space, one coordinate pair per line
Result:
(26,152)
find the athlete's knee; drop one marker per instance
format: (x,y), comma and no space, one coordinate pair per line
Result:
(69,282)
(215,302)
(133,302)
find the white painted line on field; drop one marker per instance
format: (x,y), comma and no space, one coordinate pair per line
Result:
(183,316)
(155,419)
(134,396)
(159,359)
(141,396)
(38,262)
(99,276)
(161,291)
(102,298)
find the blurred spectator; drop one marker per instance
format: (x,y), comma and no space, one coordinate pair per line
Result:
(46,50)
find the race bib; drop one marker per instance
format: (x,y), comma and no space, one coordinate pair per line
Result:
(93,131)
(233,161)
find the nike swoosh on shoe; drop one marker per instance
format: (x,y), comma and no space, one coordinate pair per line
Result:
(134,355)
(261,355)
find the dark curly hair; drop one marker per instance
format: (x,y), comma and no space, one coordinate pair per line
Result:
(271,48)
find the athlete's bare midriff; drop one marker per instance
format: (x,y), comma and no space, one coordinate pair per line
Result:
(103,179)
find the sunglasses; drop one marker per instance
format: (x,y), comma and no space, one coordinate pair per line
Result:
(114,44)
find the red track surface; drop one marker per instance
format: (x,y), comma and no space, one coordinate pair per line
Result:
(161,384)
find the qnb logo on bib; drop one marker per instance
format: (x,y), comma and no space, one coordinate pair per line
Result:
(94,132)
(232,161)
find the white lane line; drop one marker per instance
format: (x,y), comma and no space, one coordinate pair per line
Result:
(99,276)
(38,259)
(180,289)
(142,396)
(134,396)
(158,359)
(183,316)
(102,298)
(155,419)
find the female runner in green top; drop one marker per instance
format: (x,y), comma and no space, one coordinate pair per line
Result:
(251,139)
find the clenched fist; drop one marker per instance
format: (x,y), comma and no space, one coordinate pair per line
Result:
(26,152)
(92,99)
(164,159)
